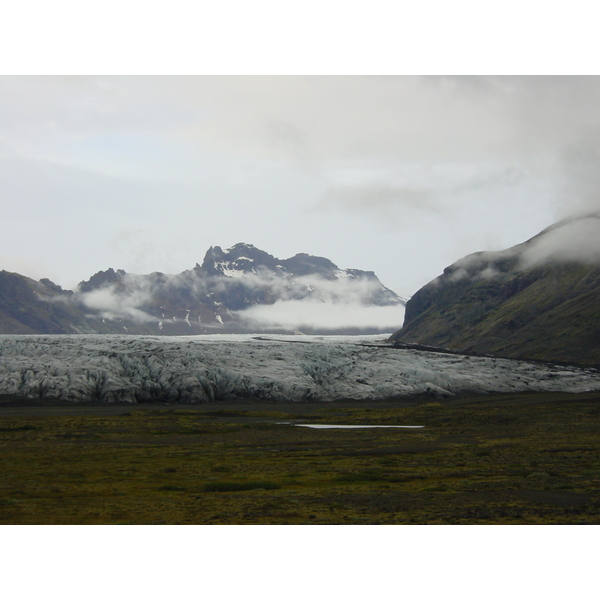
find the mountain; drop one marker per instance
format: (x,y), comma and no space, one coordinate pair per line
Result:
(537,300)
(28,306)
(210,298)
(31,307)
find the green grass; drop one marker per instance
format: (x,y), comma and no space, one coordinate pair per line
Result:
(527,459)
(19,428)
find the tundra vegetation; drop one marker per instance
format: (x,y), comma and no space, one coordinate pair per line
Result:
(497,459)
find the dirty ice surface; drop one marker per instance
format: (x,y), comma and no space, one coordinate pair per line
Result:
(109,368)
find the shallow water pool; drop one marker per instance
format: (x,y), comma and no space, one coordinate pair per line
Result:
(326,426)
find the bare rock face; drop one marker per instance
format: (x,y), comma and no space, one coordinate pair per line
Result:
(538,300)
(102,279)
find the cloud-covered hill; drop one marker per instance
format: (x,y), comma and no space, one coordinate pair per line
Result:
(539,300)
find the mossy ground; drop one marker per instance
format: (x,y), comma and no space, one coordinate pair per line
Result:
(526,459)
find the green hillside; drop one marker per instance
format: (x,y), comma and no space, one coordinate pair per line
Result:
(546,312)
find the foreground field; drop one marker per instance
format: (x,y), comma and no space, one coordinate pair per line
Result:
(521,458)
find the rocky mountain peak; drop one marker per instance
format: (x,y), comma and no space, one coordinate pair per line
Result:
(305,264)
(237,260)
(102,279)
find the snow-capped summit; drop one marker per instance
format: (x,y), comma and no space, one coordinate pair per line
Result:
(237,260)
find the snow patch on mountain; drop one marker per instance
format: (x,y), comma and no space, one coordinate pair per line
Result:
(227,271)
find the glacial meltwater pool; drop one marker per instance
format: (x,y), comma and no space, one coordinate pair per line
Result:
(326,426)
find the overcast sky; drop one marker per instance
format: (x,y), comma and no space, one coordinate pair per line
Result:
(400,175)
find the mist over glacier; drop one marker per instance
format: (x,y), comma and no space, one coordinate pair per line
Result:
(319,314)
(114,368)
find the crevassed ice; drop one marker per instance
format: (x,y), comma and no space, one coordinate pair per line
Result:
(113,368)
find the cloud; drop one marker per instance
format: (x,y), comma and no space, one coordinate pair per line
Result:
(359,291)
(579,164)
(315,314)
(312,118)
(574,241)
(400,194)
(114,304)
(380,197)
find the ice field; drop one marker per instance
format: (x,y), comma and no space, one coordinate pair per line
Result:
(111,368)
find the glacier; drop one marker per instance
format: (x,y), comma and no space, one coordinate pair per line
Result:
(209,368)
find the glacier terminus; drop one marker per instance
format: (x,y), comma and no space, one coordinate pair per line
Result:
(279,368)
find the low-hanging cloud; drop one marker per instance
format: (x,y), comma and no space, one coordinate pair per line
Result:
(112,304)
(574,241)
(315,314)
(359,291)
(578,163)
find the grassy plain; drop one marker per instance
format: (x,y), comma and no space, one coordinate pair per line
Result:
(505,459)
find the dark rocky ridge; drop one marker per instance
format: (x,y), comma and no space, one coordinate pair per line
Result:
(205,299)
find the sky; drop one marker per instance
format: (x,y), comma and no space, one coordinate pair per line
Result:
(401,175)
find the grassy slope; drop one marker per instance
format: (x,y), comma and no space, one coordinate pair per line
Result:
(549,313)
